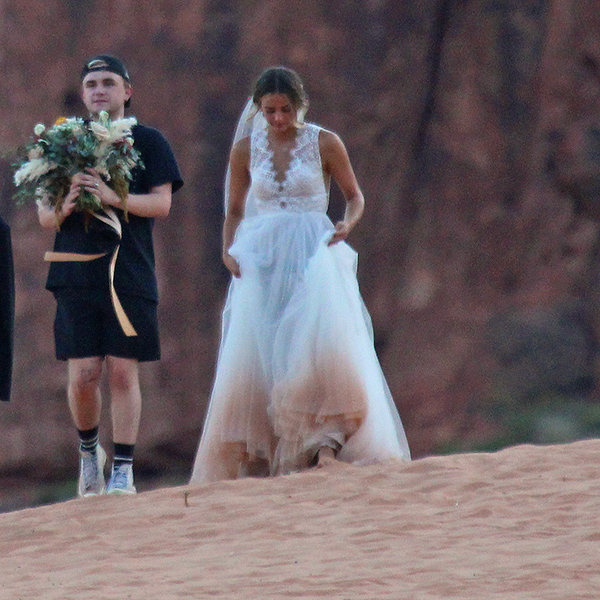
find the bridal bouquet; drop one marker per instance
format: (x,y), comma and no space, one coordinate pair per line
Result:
(71,145)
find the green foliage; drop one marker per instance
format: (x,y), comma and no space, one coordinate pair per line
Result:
(547,419)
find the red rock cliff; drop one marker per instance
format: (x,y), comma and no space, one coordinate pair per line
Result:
(474,130)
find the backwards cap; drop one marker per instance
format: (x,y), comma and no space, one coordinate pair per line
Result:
(105,62)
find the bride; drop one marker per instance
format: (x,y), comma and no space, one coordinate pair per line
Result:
(297,378)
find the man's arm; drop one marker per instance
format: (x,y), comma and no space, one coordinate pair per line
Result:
(156,203)
(47,215)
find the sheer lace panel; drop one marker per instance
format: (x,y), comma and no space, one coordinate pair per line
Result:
(301,188)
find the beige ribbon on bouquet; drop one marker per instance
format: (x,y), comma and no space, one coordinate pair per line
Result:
(111,220)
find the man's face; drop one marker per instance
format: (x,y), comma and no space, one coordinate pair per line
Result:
(103,90)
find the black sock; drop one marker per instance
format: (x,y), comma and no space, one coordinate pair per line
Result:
(88,439)
(123,454)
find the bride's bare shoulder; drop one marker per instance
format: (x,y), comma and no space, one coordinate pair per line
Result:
(242,145)
(330,144)
(241,149)
(329,139)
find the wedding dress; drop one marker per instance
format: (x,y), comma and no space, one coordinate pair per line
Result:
(296,368)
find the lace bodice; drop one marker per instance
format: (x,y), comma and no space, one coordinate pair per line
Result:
(302,189)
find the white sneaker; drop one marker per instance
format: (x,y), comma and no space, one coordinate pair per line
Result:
(91,473)
(121,481)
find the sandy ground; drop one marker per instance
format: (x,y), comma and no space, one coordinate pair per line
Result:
(523,523)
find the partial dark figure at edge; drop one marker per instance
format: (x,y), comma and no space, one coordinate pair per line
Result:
(7,311)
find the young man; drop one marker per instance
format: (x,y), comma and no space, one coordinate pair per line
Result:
(88,330)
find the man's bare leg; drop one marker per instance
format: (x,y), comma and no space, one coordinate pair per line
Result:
(126,408)
(85,404)
(125,398)
(83,391)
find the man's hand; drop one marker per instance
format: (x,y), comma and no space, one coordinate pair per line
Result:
(68,205)
(93,183)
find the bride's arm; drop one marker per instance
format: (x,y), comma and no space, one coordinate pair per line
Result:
(239,182)
(336,163)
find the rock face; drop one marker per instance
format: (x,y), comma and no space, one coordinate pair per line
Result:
(474,131)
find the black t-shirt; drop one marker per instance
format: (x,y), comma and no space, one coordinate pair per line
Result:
(134,272)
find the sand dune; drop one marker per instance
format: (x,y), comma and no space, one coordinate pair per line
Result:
(523,523)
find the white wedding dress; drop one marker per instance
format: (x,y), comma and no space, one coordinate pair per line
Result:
(297,368)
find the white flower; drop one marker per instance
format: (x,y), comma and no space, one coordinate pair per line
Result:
(39,129)
(100,131)
(121,128)
(32,170)
(35,152)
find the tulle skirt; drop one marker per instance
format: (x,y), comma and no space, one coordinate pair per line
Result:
(296,369)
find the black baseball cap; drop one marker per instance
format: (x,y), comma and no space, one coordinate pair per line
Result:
(105,62)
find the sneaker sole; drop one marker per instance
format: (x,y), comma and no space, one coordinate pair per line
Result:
(116,492)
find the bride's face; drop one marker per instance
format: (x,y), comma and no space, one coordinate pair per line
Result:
(279,112)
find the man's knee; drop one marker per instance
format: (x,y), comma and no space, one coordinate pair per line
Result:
(123,373)
(84,374)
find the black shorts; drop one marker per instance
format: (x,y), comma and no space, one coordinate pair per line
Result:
(86,325)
